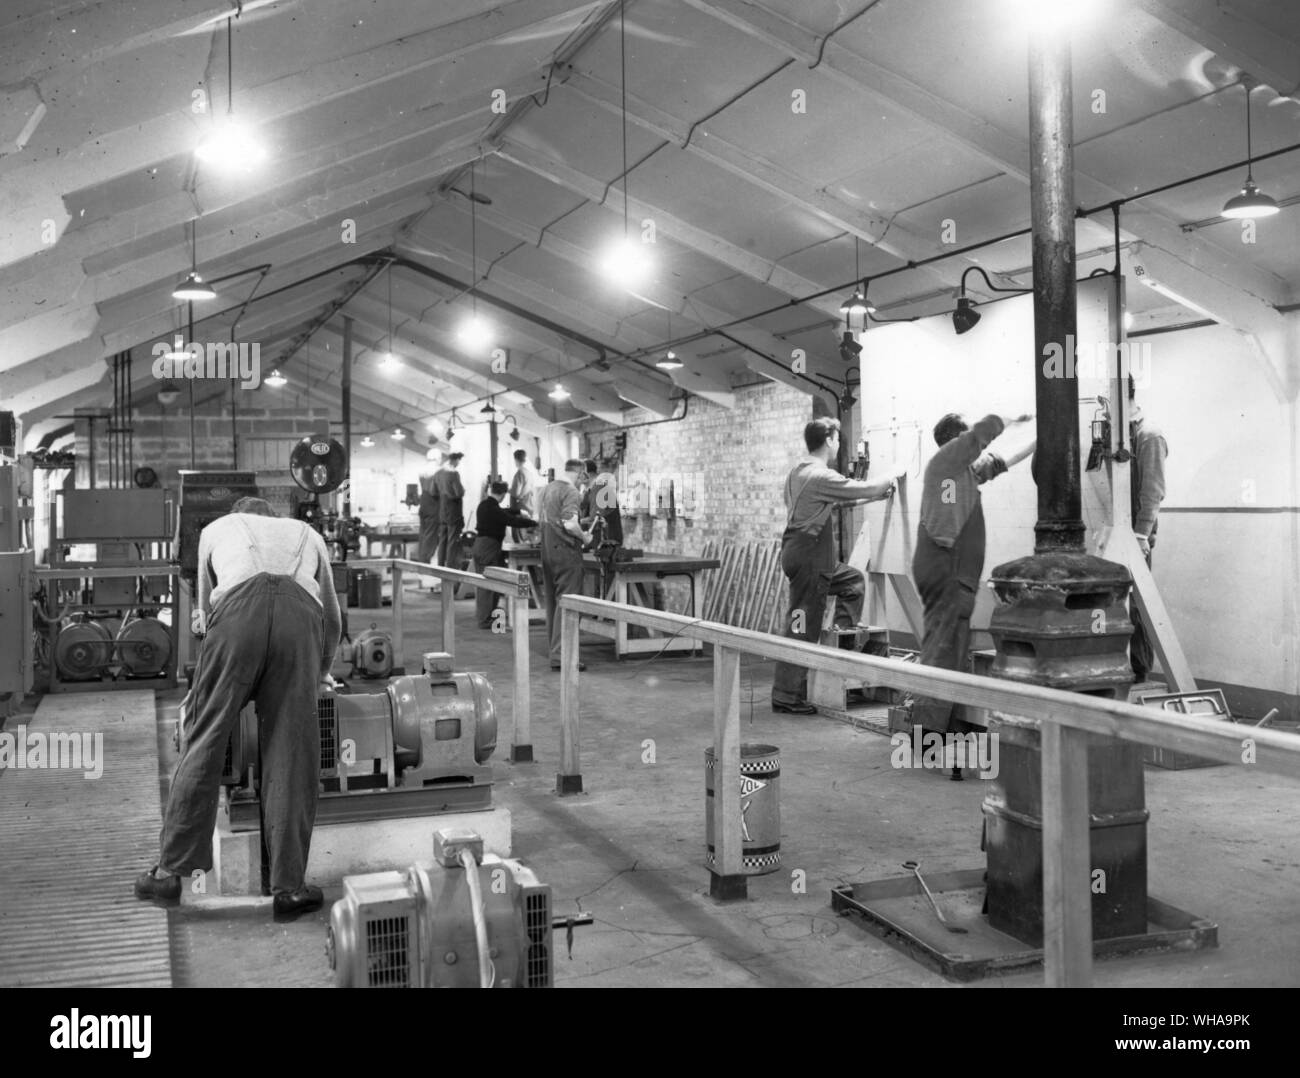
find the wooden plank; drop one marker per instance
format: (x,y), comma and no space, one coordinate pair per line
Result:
(1269,750)
(743,569)
(727,835)
(1121,545)
(399,653)
(780,603)
(771,583)
(522,744)
(448,616)
(707,579)
(913,609)
(569,780)
(728,572)
(755,584)
(1067,891)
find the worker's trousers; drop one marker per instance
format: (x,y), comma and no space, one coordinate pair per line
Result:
(449,546)
(804,561)
(429,532)
(263,645)
(562,575)
(947,579)
(486,551)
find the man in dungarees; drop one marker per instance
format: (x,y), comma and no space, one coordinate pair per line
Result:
(808,555)
(270,621)
(430,514)
(949,557)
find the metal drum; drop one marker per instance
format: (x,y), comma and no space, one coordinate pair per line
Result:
(760,808)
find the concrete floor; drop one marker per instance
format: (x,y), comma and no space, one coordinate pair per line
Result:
(1222,845)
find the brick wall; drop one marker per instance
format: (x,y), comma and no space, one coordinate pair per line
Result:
(739,457)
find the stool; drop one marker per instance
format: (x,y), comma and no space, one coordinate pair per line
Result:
(830,691)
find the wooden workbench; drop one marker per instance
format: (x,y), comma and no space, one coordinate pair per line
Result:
(627,586)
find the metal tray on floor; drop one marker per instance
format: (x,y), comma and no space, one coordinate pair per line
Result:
(896,910)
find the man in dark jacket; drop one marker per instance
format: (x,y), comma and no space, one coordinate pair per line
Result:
(491,522)
(949,557)
(563,540)
(451,499)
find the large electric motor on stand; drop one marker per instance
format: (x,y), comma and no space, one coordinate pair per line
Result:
(90,649)
(418,748)
(473,920)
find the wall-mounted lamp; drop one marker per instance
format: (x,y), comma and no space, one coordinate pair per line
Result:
(965,316)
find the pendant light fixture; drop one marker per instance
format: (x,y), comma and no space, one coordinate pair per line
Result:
(625,262)
(398,435)
(230,145)
(559,393)
(367,442)
(857,304)
(275,379)
(193,287)
(474,334)
(1251,202)
(670,362)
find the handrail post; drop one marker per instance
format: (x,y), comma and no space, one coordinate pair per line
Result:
(399,657)
(726,880)
(1067,891)
(569,779)
(521,750)
(448,596)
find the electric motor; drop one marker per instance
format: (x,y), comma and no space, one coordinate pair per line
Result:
(415,929)
(83,650)
(372,653)
(144,647)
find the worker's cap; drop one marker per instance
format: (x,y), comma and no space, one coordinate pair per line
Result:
(455,456)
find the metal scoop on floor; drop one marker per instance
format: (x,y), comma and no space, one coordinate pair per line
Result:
(915,868)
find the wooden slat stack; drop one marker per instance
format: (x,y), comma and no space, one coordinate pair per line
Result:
(749,591)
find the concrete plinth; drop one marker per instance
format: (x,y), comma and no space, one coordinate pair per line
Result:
(349,849)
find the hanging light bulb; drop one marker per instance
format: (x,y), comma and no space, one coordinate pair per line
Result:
(488,409)
(390,364)
(670,362)
(431,425)
(276,379)
(626,263)
(559,393)
(474,334)
(367,442)
(398,435)
(231,144)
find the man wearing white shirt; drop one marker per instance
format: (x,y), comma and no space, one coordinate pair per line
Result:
(270,621)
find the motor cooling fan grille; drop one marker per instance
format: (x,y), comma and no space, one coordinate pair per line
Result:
(388,963)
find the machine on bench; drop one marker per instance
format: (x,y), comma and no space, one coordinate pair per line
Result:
(416,749)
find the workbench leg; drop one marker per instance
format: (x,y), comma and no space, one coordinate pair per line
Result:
(1067,848)
(620,626)
(521,750)
(726,880)
(449,617)
(399,656)
(569,780)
